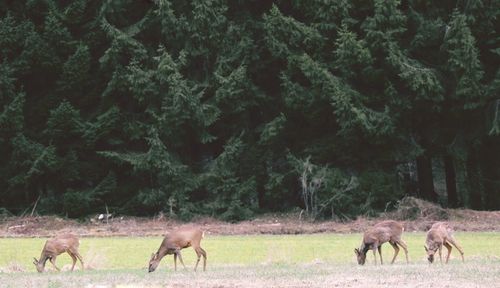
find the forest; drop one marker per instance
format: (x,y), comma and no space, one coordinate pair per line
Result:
(233,108)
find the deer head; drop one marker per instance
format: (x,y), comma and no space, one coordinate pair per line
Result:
(430,253)
(154,262)
(360,255)
(39,265)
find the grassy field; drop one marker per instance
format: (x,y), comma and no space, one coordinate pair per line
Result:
(316,260)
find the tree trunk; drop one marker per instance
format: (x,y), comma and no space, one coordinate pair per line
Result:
(425,178)
(473,180)
(490,172)
(451,181)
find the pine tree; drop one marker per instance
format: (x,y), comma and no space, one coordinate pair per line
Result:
(216,107)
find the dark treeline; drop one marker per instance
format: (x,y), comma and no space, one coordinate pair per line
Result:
(232,108)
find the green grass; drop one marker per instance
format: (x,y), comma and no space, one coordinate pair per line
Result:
(134,252)
(276,260)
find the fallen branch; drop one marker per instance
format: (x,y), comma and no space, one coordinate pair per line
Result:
(16,226)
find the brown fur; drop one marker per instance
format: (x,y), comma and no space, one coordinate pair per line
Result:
(438,236)
(385,231)
(68,243)
(174,242)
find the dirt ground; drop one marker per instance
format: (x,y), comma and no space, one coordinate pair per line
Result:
(45,226)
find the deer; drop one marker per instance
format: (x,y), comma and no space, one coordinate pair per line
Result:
(68,243)
(438,236)
(385,231)
(174,242)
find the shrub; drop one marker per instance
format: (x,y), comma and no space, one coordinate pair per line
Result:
(380,189)
(77,203)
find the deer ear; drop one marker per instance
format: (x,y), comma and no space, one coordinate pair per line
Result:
(356,250)
(35,261)
(426,249)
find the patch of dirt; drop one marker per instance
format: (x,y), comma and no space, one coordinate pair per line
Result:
(417,215)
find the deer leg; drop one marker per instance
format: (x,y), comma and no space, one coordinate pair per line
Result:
(403,245)
(454,243)
(448,247)
(79,258)
(198,254)
(175,261)
(379,248)
(396,251)
(375,254)
(178,253)
(73,257)
(204,254)
(440,257)
(53,261)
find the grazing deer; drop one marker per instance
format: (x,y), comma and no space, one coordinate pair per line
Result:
(68,243)
(385,231)
(438,236)
(174,242)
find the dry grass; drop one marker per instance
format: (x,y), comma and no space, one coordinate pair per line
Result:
(411,208)
(471,274)
(418,215)
(12,267)
(95,259)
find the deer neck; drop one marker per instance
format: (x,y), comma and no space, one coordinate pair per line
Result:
(365,247)
(162,252)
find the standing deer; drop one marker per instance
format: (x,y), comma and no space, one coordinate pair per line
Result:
(174,242)
(385,231)
(68,243)
(438,236)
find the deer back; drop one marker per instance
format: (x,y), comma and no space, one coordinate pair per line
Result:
(183,238)
(383,232)
(437,235)
(61,244)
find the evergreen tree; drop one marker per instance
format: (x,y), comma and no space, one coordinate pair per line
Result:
(232,108)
